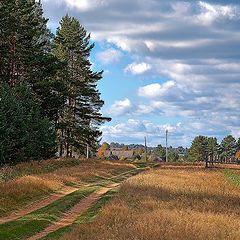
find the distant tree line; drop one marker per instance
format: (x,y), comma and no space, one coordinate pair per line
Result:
(49,100)
(204,148)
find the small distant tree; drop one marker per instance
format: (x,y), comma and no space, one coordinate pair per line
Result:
(161,152)
(100,153)
(199,149)
(228,146)
(173,156)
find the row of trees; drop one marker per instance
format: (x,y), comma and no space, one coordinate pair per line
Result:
(48,91)
(203,148)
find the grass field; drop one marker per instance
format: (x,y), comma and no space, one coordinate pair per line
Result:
(171,202)
(179,202)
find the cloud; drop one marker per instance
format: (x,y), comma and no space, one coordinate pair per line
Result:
(213,12)
(109,56)
(138,68)
(163,29)
(120,107)
(81,5)
(155,90)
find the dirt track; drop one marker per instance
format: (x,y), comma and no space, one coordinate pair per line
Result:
(71,215)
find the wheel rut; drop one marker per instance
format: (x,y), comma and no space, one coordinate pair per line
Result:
(74,212)
(37,205)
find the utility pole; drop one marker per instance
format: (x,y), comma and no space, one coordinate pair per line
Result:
(145,139)
(166,145)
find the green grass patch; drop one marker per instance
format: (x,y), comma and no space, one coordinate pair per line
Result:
(233,176)
(38,220)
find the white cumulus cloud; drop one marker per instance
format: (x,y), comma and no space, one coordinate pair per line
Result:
(155,90)
(138,68)
(120,107)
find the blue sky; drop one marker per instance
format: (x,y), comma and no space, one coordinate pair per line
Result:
(168,65)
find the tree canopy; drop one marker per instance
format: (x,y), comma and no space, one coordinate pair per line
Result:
(48,80)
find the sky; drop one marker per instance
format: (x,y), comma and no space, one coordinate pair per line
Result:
(168,64)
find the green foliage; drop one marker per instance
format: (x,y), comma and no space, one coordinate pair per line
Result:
(58,73)
(233,177)
(173,156)
(80,115)
(199,149)
(161,152)
(24,135)
(228,146)
(212,147)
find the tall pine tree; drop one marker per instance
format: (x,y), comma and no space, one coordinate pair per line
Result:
(25,53)
(80,118)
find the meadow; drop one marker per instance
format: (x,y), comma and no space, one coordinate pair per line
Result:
(173,202)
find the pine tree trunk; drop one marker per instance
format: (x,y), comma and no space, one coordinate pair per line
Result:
(61,144)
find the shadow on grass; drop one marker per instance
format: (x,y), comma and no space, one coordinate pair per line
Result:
(201,202)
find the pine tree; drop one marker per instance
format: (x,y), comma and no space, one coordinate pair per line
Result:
(212,147)
(199,149)
(80,117)
(228,146)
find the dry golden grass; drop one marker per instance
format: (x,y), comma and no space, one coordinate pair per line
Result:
(24,189)
(29,182)
(169,203)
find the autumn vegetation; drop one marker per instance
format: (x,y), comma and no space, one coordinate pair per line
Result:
(28,182)
(170,203)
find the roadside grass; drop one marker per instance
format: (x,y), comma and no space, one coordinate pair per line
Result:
(169,203)
(38,220)
(35,167)
(29,182)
